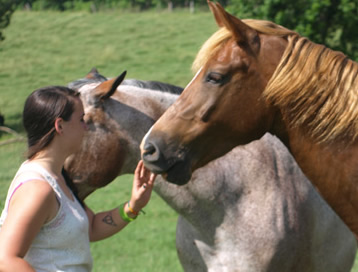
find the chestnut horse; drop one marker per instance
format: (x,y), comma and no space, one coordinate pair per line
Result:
(251,210)
(256,77)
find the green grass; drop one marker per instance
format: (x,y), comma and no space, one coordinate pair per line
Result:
(48,48)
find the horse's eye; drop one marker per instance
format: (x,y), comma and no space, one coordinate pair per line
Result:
(215,78)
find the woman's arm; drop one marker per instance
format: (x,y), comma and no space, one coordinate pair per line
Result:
(105,224)
(31,205)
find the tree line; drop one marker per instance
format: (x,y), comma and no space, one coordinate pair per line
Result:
(329,22)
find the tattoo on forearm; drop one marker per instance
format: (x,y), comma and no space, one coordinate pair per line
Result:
(108,219)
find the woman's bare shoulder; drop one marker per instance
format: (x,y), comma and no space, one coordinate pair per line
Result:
(33,197)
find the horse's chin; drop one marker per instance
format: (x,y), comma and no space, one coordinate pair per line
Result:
(176,179)
(179,174)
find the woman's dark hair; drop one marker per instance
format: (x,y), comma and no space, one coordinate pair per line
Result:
(41,110)
(72,186)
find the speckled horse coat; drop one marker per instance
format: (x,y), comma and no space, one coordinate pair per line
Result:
(250,210)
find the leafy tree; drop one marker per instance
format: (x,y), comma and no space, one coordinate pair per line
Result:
(329,22)
(60,5)
(7,7)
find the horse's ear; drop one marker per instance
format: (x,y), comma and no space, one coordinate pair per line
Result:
(92,73)
(217,16)
(107,89)
(241,31)
(95,75)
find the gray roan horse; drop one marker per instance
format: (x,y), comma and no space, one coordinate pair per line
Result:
(251,210)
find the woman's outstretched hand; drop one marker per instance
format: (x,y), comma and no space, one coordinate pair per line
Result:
(142,187)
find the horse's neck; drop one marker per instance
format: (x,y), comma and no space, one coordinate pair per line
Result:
(332,168)
(318,161)
(229,181)
(305,151)
(191,200)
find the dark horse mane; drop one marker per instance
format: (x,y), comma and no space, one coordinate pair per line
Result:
(77,84)
(145,84)
(154,85)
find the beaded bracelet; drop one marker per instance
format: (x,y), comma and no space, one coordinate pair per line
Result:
(124,215)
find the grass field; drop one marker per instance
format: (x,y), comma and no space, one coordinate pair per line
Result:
(48,48)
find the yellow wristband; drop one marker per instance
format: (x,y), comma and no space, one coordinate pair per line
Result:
(131,210)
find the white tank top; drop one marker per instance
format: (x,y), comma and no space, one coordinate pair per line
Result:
(63,243)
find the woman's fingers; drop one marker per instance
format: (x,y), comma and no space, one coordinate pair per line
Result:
(142,186)
(138,170)
(143,170)
(151,179)
(144,178)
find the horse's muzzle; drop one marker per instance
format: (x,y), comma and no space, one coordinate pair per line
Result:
(173,166)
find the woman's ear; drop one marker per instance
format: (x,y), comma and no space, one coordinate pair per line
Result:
(58,125)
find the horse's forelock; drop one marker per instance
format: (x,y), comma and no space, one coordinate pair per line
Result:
(87,88)
(221,36)
(210,48)
(316,88)
(87,96)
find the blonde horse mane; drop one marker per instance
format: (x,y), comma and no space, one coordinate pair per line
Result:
(315,87)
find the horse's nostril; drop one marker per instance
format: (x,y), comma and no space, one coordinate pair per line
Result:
(149,148)
(151,152)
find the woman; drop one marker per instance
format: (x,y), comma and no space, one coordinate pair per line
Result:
(43,226)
